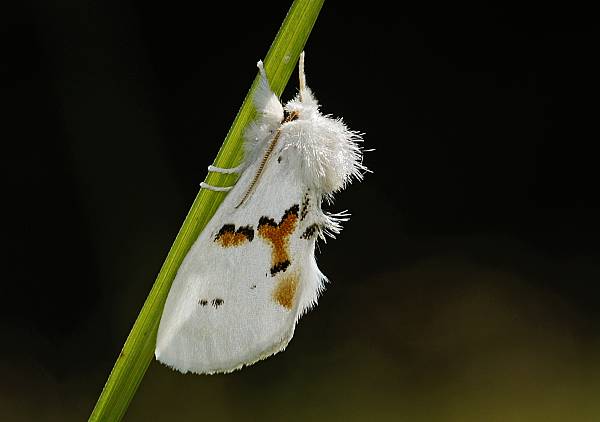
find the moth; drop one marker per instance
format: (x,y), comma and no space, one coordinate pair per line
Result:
(251,274)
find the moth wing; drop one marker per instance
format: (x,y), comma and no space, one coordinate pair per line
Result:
(227,306)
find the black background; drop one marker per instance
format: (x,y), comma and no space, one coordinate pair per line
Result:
(464,287)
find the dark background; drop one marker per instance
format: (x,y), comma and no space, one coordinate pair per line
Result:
(465,287)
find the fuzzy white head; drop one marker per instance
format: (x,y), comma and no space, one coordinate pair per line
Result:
(252,273)
(326,150)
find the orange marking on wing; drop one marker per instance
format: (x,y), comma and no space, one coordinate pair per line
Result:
(278,236)
(228,237)
(232,239)
(285,292)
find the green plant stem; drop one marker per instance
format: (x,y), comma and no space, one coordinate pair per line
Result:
(138,351)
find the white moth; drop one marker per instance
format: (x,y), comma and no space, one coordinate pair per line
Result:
(252,273)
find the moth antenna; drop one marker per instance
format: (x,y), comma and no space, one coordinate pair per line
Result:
(301,75)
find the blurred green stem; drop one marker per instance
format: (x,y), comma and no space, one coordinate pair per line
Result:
(138,351)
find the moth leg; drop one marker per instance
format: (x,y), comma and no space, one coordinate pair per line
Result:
(215,169)
(215,188)
(225,171)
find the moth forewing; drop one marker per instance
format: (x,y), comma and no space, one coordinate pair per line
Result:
(252,272)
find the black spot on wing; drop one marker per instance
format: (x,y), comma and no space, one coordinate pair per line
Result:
(293,210)
(305,204)
(280,267)
(229,229)
(310,231)
(266,221)
(247,231)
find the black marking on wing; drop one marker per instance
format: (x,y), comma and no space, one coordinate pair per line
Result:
(310,231)
(266,221)
(280,266)
(228,236)
(305,204)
